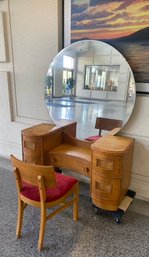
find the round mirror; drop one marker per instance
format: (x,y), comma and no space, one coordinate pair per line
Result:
(86,80)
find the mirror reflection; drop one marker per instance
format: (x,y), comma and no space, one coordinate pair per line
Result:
(101,77)
(86,80)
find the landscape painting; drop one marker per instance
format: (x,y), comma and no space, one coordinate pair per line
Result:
(121,23)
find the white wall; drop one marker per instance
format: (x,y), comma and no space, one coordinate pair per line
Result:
(31,38)
(137,127)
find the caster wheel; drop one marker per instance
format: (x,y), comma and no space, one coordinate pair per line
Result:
(97,211)
(117,220)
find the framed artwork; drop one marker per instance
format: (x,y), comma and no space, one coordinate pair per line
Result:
(121,23)
(2,41)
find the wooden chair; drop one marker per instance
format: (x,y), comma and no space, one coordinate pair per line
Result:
(42,187)
(105,124)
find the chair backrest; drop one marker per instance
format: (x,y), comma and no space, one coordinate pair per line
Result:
(107,124)
(29,173)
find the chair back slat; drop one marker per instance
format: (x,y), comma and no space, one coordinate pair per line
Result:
(107,124)
(29,172)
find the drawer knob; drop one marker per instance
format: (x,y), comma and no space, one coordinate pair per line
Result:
(86,169)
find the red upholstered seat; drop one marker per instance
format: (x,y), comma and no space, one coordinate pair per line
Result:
(93,138)
(63,185)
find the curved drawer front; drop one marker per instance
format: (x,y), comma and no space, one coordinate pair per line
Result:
(105,204)
(34,159)
(104,188)
(107,165)
(66,161)
(32,145)
(32,150)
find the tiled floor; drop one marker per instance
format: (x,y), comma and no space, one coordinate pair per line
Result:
(137,205)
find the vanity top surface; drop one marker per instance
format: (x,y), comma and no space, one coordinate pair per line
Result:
(113,144)
(46,128)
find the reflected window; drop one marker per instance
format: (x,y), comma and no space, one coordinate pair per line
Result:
(67,62)
(68,81)
(101,77)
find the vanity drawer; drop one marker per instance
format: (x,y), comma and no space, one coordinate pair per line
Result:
(106,204)
(32,149)
(107,165)
(34,159)
(105,188)
(64,161)
(32,145)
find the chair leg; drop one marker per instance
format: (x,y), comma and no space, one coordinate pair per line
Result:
(42,228)
(75,204)
(20,217)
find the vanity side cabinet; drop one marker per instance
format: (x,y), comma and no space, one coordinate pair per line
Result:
(39,139)
(33,143)
(32,149)
(111,164)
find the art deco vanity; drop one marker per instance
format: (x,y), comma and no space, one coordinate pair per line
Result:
(107,162)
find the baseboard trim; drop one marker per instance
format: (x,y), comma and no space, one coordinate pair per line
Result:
(140,184)
(10,148)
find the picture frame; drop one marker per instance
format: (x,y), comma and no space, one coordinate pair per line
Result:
(2,39)
(142,79)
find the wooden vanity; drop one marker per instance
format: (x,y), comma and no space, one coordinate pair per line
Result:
(107,162)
